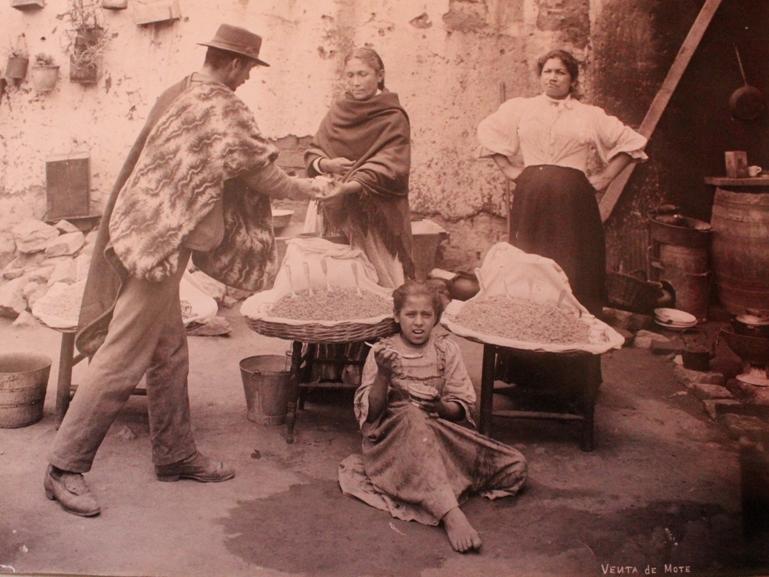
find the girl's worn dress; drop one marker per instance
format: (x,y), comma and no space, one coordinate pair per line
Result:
(374,134)
(554,212)
(417,466)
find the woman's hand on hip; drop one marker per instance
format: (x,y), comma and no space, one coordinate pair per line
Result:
(512,172)
(338,165)
(600,181)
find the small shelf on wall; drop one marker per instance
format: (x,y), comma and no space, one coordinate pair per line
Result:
(27,4)
(156,11)
(114,4)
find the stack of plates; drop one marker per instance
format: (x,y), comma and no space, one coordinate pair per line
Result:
(674,319)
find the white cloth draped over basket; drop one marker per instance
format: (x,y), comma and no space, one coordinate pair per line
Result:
(303,266)
(507,270)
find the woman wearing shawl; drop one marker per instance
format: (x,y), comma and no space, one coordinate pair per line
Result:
(365,140)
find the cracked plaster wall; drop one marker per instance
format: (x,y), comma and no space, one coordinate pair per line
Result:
(451,61)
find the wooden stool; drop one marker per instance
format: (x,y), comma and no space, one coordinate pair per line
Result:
(586,393)
(67,360)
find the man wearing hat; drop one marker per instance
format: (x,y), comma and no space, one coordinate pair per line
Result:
(197,181)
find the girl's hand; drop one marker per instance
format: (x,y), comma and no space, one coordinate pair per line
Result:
(448,410)
(387,359)
(338,165)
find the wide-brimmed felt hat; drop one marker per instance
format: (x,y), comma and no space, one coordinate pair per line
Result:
(237,40)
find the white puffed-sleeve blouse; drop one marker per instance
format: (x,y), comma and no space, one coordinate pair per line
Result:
(556,132)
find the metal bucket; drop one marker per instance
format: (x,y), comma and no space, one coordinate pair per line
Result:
(265,383)
(23,383)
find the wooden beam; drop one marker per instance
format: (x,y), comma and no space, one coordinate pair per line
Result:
(661,100)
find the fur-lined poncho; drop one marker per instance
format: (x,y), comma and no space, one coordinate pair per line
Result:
(207,137)
(197,139)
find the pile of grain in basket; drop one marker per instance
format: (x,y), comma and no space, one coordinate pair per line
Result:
(339,304)
(522,320)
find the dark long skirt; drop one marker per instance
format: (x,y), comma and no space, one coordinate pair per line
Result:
(555,215)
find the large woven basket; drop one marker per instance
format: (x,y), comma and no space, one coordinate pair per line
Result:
(344,332)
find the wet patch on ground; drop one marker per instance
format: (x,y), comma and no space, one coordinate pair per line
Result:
(314,529)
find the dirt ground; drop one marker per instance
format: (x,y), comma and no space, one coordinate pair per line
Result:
(659,495)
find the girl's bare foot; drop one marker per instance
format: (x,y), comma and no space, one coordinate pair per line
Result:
(462,536)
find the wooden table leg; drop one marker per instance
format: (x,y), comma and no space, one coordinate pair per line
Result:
(587,442)
(592,375)
(306,375)
(64,383)
(293,392)
(487,388)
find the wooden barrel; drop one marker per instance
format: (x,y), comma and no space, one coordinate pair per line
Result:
(740,249)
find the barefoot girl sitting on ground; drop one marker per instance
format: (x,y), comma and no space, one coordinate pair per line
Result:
(417,462)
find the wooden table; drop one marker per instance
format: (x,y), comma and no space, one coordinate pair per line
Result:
(585,391)
(305,338)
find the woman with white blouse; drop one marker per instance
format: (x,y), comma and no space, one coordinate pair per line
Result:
(555,212)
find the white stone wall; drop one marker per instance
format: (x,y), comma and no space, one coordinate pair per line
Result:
(446,59)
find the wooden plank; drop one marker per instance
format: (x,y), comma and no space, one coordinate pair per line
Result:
(661,100)
(514,414)
(748,181)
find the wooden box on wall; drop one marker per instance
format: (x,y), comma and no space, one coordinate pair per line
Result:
(156,11)
(68,185)
(25,4)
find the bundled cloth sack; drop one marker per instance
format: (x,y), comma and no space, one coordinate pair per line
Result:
(322,265)
(303,268)
(59,308)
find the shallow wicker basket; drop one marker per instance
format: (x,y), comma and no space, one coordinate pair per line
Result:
(343,332)
(631,293)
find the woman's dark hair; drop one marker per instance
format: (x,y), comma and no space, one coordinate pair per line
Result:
(217,58)
(568,60)
(370,57)
(413,288)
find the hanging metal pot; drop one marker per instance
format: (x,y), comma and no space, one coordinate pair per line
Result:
(747,102)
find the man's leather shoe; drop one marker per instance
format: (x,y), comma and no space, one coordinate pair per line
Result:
(197,467)
(71,491)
